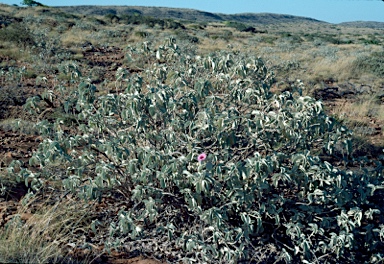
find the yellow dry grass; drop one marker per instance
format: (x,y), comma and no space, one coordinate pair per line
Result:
(210,45)
(74,38)
(41,237)
(359,113)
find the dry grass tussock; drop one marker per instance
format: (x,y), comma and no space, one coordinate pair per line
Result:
(43,236)
(9,50)
(74,38)
(361,111)
(209,45)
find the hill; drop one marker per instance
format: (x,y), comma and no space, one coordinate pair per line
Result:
(188,14)
(364,24)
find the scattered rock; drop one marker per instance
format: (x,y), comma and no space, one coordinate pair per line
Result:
(346,90)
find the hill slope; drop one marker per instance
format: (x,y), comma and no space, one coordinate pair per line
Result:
(188,14)
(364,24)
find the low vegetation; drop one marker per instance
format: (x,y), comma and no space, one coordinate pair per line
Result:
(218,142)
(40,234)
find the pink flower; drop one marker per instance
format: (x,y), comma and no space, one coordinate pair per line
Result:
(201,157)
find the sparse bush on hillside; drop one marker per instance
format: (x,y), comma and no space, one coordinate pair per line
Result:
(294,39)
(141,34)
(370,40)
(372,63)
(268,39)
(226,35)
(213,164)
(243,27)
(327,38)
(184,36)
(151,21)
(18,34)
(31,3)
(112,18)
(236,25)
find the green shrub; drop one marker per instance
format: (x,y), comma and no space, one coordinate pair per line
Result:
(237,25)
(31,3)
(211,161)
(325,38)
(371,39)
(141,34)
(373,64)
(268,39)
(137,19)
(223,34)
(17,34)
(112,18)
(182,35)
(293,38)
(243,27)
(30,74)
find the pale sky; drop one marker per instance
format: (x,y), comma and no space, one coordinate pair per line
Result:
(334,11)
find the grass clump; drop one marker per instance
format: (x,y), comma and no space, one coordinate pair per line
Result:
(372,64)
(42,236)
(17,34)
(19,125)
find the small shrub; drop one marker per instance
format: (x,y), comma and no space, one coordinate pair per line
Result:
(112,18)
(141,34)
(243,27)
(31,74)
(373,64)
(268,39)
(184,36)
(17,34)
(137,19)
(19,125)
(292,38)
(370,41)
(211,161)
